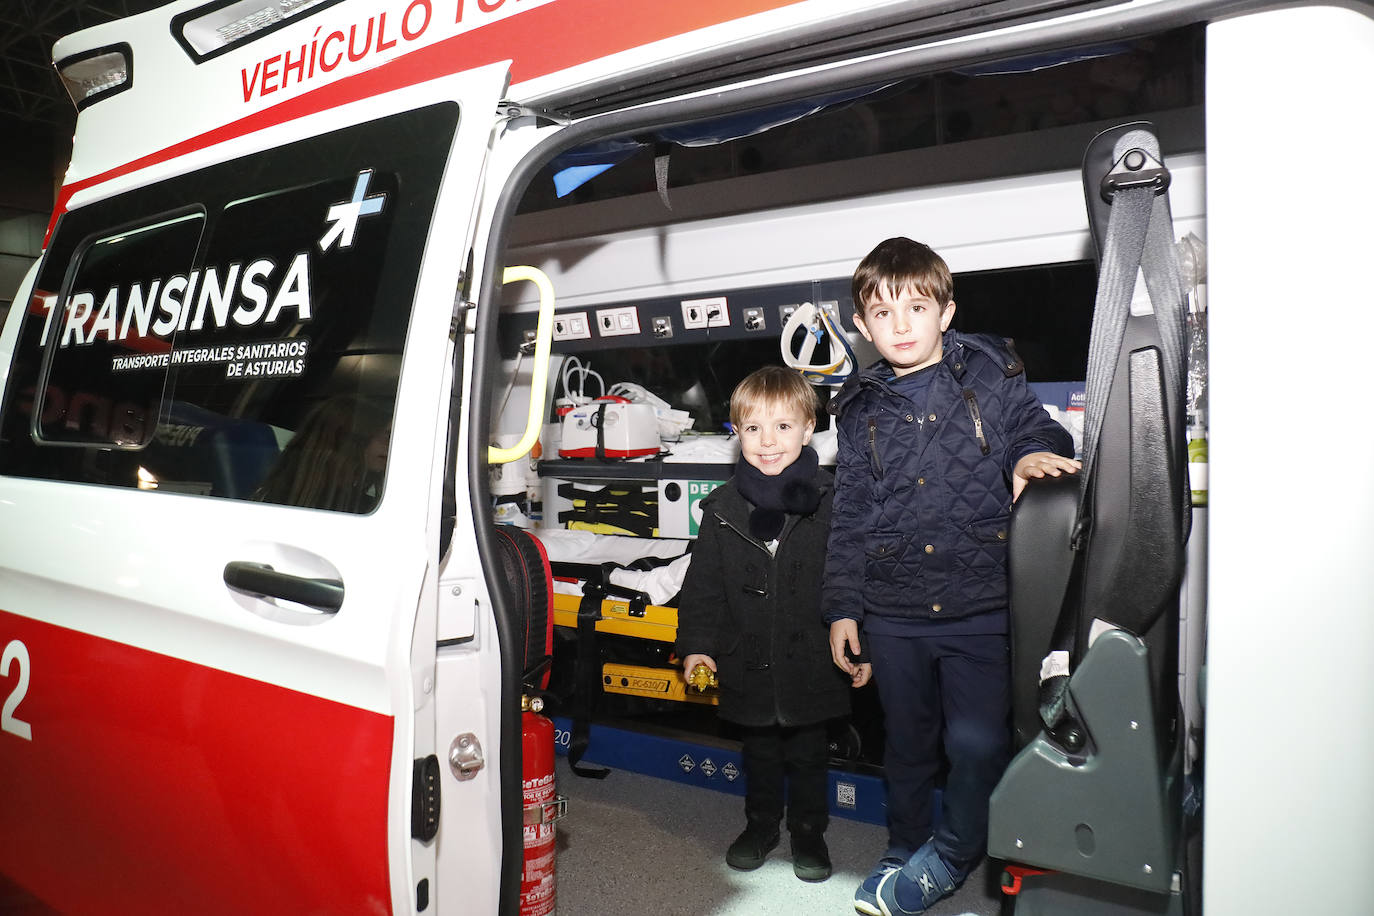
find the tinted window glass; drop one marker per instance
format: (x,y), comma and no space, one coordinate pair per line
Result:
(234,332)
(113,343)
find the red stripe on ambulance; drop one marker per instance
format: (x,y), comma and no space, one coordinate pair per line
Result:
(538,41)
(145,777)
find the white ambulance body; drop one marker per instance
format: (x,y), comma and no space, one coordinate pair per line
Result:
(221,698)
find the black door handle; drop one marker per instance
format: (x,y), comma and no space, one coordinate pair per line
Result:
(260,579)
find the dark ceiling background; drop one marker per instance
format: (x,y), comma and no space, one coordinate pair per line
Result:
(36,116)
(37,119)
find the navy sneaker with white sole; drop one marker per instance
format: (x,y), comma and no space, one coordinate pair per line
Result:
(917,885)
(866,895)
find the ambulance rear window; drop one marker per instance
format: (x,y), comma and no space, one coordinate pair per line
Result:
(232,332)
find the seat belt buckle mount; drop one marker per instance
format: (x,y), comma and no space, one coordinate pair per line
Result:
(1135,169)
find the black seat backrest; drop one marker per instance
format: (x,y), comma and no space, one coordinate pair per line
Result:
(1111,547)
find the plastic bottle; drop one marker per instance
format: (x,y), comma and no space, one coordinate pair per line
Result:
(1197,464)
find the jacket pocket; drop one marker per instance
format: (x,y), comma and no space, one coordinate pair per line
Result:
(985,546)
(990,531)
(886,559)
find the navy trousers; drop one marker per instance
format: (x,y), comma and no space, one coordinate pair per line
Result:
(950,692)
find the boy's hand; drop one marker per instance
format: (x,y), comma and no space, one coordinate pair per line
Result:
(844,632)
(1040,464)
(690,662)
(863,672)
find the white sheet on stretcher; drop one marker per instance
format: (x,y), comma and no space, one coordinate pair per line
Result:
(659,584)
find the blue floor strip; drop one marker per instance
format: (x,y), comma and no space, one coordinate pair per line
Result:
(855,796)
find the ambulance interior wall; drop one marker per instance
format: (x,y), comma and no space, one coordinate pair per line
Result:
(1018,245)
(1007,213)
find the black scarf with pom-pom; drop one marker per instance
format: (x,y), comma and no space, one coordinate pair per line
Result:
(794,492)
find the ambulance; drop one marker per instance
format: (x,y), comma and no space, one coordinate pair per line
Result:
(319,269)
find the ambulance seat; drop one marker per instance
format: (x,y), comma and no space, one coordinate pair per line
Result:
(1093,795)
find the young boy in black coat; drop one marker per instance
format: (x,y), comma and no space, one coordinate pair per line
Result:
(750,611)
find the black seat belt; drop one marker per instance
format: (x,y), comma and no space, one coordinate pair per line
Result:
(1138,270)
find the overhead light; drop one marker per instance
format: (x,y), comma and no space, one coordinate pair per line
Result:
(230,24)
(96,74)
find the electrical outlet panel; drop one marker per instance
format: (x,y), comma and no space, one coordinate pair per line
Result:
(615,322)
(663,326)
(705,313)
(753,319)
(571,326)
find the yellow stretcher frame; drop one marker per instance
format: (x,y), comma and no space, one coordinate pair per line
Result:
(654,622)
(655,683)
(651,622)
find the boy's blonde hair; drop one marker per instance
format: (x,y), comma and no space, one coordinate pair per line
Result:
(897,264)
(773,385)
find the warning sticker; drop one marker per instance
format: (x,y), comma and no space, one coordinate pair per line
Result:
(697,490)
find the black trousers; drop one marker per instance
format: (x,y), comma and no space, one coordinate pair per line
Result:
(950,693)
(786,770)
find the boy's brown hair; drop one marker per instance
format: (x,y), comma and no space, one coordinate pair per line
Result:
(896,264)
(773,385)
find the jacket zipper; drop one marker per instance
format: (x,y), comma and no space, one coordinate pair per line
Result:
(873,447)
(971,402)
(772,558)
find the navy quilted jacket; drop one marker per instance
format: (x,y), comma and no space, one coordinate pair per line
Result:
(923,496)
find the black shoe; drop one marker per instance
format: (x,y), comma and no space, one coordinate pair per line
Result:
(810,858)
(751,847)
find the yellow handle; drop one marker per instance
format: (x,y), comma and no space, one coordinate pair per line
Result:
(539,382)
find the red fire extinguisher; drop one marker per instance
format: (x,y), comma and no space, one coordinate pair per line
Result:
(543,807)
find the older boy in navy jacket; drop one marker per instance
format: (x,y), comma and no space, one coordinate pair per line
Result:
(935,442)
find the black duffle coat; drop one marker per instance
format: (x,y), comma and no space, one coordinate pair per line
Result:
(759,614)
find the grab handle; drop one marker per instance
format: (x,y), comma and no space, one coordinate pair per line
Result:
(542,336)
(260,579)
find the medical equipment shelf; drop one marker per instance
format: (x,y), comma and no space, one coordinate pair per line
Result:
(591,469)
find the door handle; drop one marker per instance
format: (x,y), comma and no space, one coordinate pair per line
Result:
(260,579)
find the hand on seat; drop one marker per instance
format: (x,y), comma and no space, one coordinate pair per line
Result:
(1040,464)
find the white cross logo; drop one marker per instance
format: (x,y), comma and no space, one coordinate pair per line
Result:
(344,215)
(927,885)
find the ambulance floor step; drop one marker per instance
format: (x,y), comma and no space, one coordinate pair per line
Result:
(711,763)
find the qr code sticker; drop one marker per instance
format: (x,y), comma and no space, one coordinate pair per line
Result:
(846,795)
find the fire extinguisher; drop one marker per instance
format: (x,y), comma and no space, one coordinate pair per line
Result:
(543,807)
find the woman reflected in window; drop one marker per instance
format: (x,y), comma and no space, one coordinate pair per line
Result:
(334,460)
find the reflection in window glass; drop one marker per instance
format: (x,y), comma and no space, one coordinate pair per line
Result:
(113,334)
(245,334)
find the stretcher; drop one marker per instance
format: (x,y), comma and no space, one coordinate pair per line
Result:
(611,589)
(621,617)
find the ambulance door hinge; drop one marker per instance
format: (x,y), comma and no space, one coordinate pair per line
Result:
(424,799)
(458,324)
(465,756)
(508,109)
